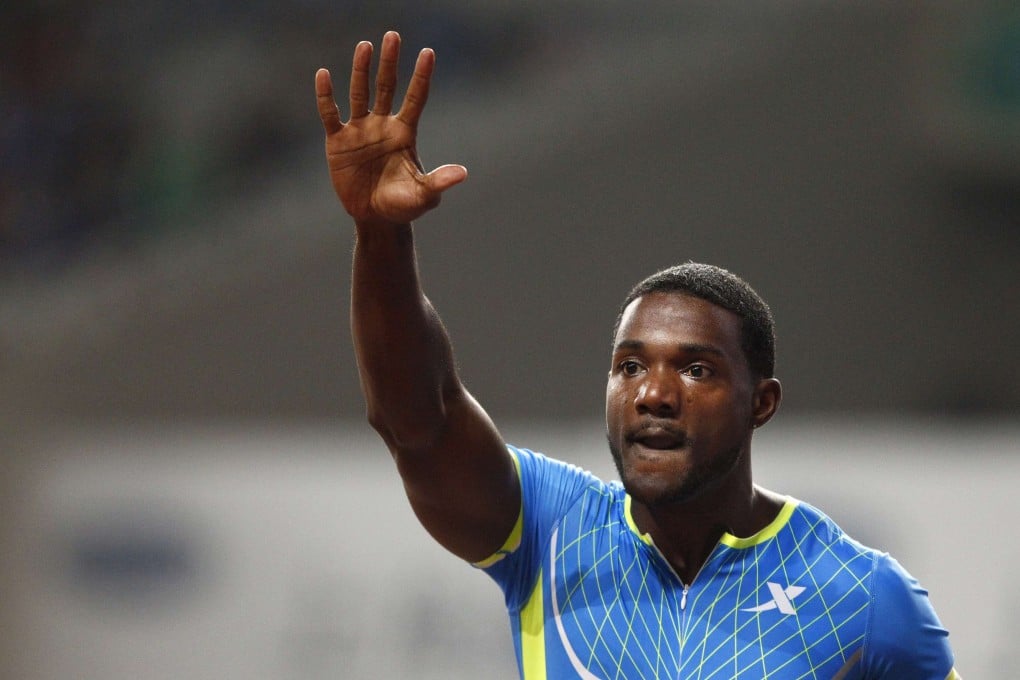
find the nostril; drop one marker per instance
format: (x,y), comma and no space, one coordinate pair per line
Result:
(654,397)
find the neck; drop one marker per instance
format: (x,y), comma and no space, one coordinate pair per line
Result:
(687,532)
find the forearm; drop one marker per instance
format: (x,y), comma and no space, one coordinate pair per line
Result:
(456,470)
(404,355)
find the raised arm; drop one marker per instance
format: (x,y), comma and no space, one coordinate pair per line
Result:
(454,465)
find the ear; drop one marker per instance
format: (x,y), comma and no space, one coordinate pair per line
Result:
(767,395)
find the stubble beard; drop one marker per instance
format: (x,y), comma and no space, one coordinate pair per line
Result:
(686,487)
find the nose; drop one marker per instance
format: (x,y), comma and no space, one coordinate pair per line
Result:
(659,393)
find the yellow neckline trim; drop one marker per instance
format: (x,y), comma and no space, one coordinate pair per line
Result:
(769,531)
(627,501)
(727,538)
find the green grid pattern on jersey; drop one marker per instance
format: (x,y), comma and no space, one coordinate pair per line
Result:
(618,603)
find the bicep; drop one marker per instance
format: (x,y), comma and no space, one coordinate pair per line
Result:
(463,485)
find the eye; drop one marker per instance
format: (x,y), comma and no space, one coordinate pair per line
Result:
(629,367)
(697,371)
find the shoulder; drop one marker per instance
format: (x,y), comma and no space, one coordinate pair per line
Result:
(553,493)
(540,473)
(905,637)
(891,589)
(815,531)
(552,488)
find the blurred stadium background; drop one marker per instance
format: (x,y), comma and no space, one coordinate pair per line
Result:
(188,487)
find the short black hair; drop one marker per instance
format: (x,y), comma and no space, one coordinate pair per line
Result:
(727,290)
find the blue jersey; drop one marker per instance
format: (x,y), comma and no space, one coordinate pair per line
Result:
(590,596)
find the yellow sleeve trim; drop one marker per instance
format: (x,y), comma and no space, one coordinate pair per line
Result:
(513,541)
(533,635)
(953,675)
(765,534)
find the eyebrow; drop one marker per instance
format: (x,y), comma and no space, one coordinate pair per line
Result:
(688,348)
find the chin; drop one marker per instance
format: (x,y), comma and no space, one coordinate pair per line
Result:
(659,488)
(664,484)
(650,487)
(657,495)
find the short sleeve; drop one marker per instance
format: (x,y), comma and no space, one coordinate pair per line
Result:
(548,488)
(905,640)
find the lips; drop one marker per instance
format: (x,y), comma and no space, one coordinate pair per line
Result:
(659,438)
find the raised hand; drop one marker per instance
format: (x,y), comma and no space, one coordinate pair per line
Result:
(372,158)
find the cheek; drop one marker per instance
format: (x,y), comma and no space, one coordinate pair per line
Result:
(613,410)
(719,412)
(736,415)
(616,409)
(616,395)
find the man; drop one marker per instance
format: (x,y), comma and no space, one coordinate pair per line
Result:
(687,569)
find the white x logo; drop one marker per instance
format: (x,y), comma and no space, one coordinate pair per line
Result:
(780,599)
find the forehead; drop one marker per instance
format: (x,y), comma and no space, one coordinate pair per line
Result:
(678,318)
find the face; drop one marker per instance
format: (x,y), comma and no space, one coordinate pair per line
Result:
(681,400)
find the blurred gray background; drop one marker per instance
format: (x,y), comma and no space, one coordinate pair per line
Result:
(174,264)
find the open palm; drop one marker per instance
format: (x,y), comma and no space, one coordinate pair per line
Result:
(372,159)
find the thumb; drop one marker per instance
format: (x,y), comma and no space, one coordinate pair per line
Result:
(446,176)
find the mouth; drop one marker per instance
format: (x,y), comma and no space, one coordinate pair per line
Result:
(658,438)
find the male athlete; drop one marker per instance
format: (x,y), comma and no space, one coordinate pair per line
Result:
(686,570)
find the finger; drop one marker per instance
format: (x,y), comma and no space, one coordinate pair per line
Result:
(445,176)
(418,88)
(328,111)
(386,79)
(359,79)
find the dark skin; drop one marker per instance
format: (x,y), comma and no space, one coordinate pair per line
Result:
(456,470)
(681,407)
